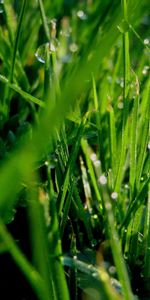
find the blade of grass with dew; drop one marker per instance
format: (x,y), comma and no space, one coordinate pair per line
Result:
(98,278)
(33,277)
(134,205)
(86,185)
(113,142)
(126,75)
(66,209)
(133,146)
(70,166)
(116,246)
(86,151)
(98,119)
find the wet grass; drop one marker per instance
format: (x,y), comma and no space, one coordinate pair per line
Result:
(74,148)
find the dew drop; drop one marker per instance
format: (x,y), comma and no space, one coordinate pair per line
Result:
(93,243)
(89,267)
(114,195)
(103,180)
(145,70)
(95,216)
(126,186)
(120,105)
(93,157)
(146,41)
(73,47)
(108,206)
(97,163)
(42,50)
(81,15)
(148,146)
(112,270)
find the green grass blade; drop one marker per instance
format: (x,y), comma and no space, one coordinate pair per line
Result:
(38,239)
(58,275)
(126,76)
(116,246)
(24,94)
(86,151)
(143,144)
(133,147)
(19,26)
(44,21)
(70,167)
(113,142)
(146,269)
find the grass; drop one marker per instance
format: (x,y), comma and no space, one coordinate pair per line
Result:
(74,149)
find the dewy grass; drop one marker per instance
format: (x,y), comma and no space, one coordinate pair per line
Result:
(126,86)
(76,161)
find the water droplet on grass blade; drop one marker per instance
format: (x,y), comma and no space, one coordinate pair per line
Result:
(146,41)
(93,157)
(112,270)
(42,50)
(81,15)
(97,163)
(145,70)
(73,47)
(120,105)
(103,180)
(114,195)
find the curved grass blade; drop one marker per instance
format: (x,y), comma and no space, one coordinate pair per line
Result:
(24,94)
